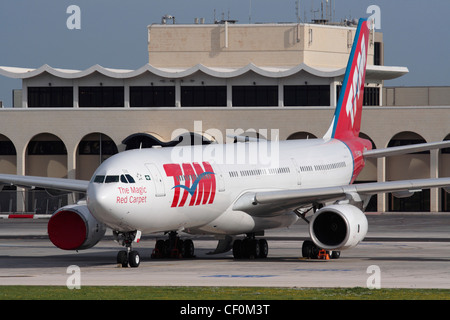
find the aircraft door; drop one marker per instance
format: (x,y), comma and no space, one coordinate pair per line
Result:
(297,170)
(155,175)
(219,178)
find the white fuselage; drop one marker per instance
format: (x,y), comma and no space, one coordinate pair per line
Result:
(193,189)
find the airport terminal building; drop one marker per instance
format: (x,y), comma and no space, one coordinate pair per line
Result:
(213,78)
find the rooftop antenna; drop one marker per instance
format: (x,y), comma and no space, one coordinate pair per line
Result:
(249,11)
(297,10)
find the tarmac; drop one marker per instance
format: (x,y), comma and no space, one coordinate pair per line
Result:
(399,251)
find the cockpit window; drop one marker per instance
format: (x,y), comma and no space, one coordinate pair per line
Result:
(124,178)
(99,179)
(111,179)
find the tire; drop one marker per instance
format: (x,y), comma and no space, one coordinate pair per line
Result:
(166,252)
(134,259)
(335,254)
(158,253)
(122,258)
(245,248)
(188,249)
(263,248)
(307,249)
(253,249)
(237,249)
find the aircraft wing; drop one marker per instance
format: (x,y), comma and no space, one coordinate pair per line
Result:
(270,203)
(44,182)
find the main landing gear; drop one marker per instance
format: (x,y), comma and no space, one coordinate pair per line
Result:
(128,257)
(250,248)
(311,251)
(173,247)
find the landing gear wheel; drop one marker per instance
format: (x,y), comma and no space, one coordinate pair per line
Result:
(309,250)
(188,249)
(335,254)
(263,248)
(122,258)
(158,252)
(253,248)
(134,259)
(237,249)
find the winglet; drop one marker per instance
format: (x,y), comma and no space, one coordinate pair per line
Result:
(347,117)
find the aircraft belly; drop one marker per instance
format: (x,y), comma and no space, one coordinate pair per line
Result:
(239,222)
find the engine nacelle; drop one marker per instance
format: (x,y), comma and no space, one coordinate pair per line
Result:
(73,227)
(338,227)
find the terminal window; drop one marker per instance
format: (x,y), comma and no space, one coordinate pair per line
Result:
(103,147)
(7,148)
(307,95)
(204,96)
(50,97)
(46,148)
(101,97)
(152,96)
(255,96)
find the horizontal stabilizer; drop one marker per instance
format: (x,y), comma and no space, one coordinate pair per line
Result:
(395,151)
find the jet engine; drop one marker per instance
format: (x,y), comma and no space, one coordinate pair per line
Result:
(338,227)
(73,227)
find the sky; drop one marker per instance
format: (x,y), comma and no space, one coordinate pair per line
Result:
(114,32)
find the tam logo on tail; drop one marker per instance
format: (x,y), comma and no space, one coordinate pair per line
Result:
(357,85)
(347,118)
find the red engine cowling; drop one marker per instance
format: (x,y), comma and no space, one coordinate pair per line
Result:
(73,227)
(338,227)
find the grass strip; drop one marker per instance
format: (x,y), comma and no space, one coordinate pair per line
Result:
(215,293)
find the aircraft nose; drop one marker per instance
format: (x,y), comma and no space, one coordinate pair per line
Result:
(100,203)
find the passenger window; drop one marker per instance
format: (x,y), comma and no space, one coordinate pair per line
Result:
(111,179)
(99,179)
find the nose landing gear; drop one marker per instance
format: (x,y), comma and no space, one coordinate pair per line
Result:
(128,257)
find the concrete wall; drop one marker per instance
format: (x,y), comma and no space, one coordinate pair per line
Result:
(416,96)
(236,45)
(71,126)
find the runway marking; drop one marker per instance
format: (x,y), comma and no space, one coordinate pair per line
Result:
(322,270)
(240,276)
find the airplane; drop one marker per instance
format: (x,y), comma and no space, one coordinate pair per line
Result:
(224,190)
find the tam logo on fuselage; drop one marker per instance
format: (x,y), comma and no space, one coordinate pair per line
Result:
(194,179)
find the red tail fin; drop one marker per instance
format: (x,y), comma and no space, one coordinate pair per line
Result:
(347,117)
